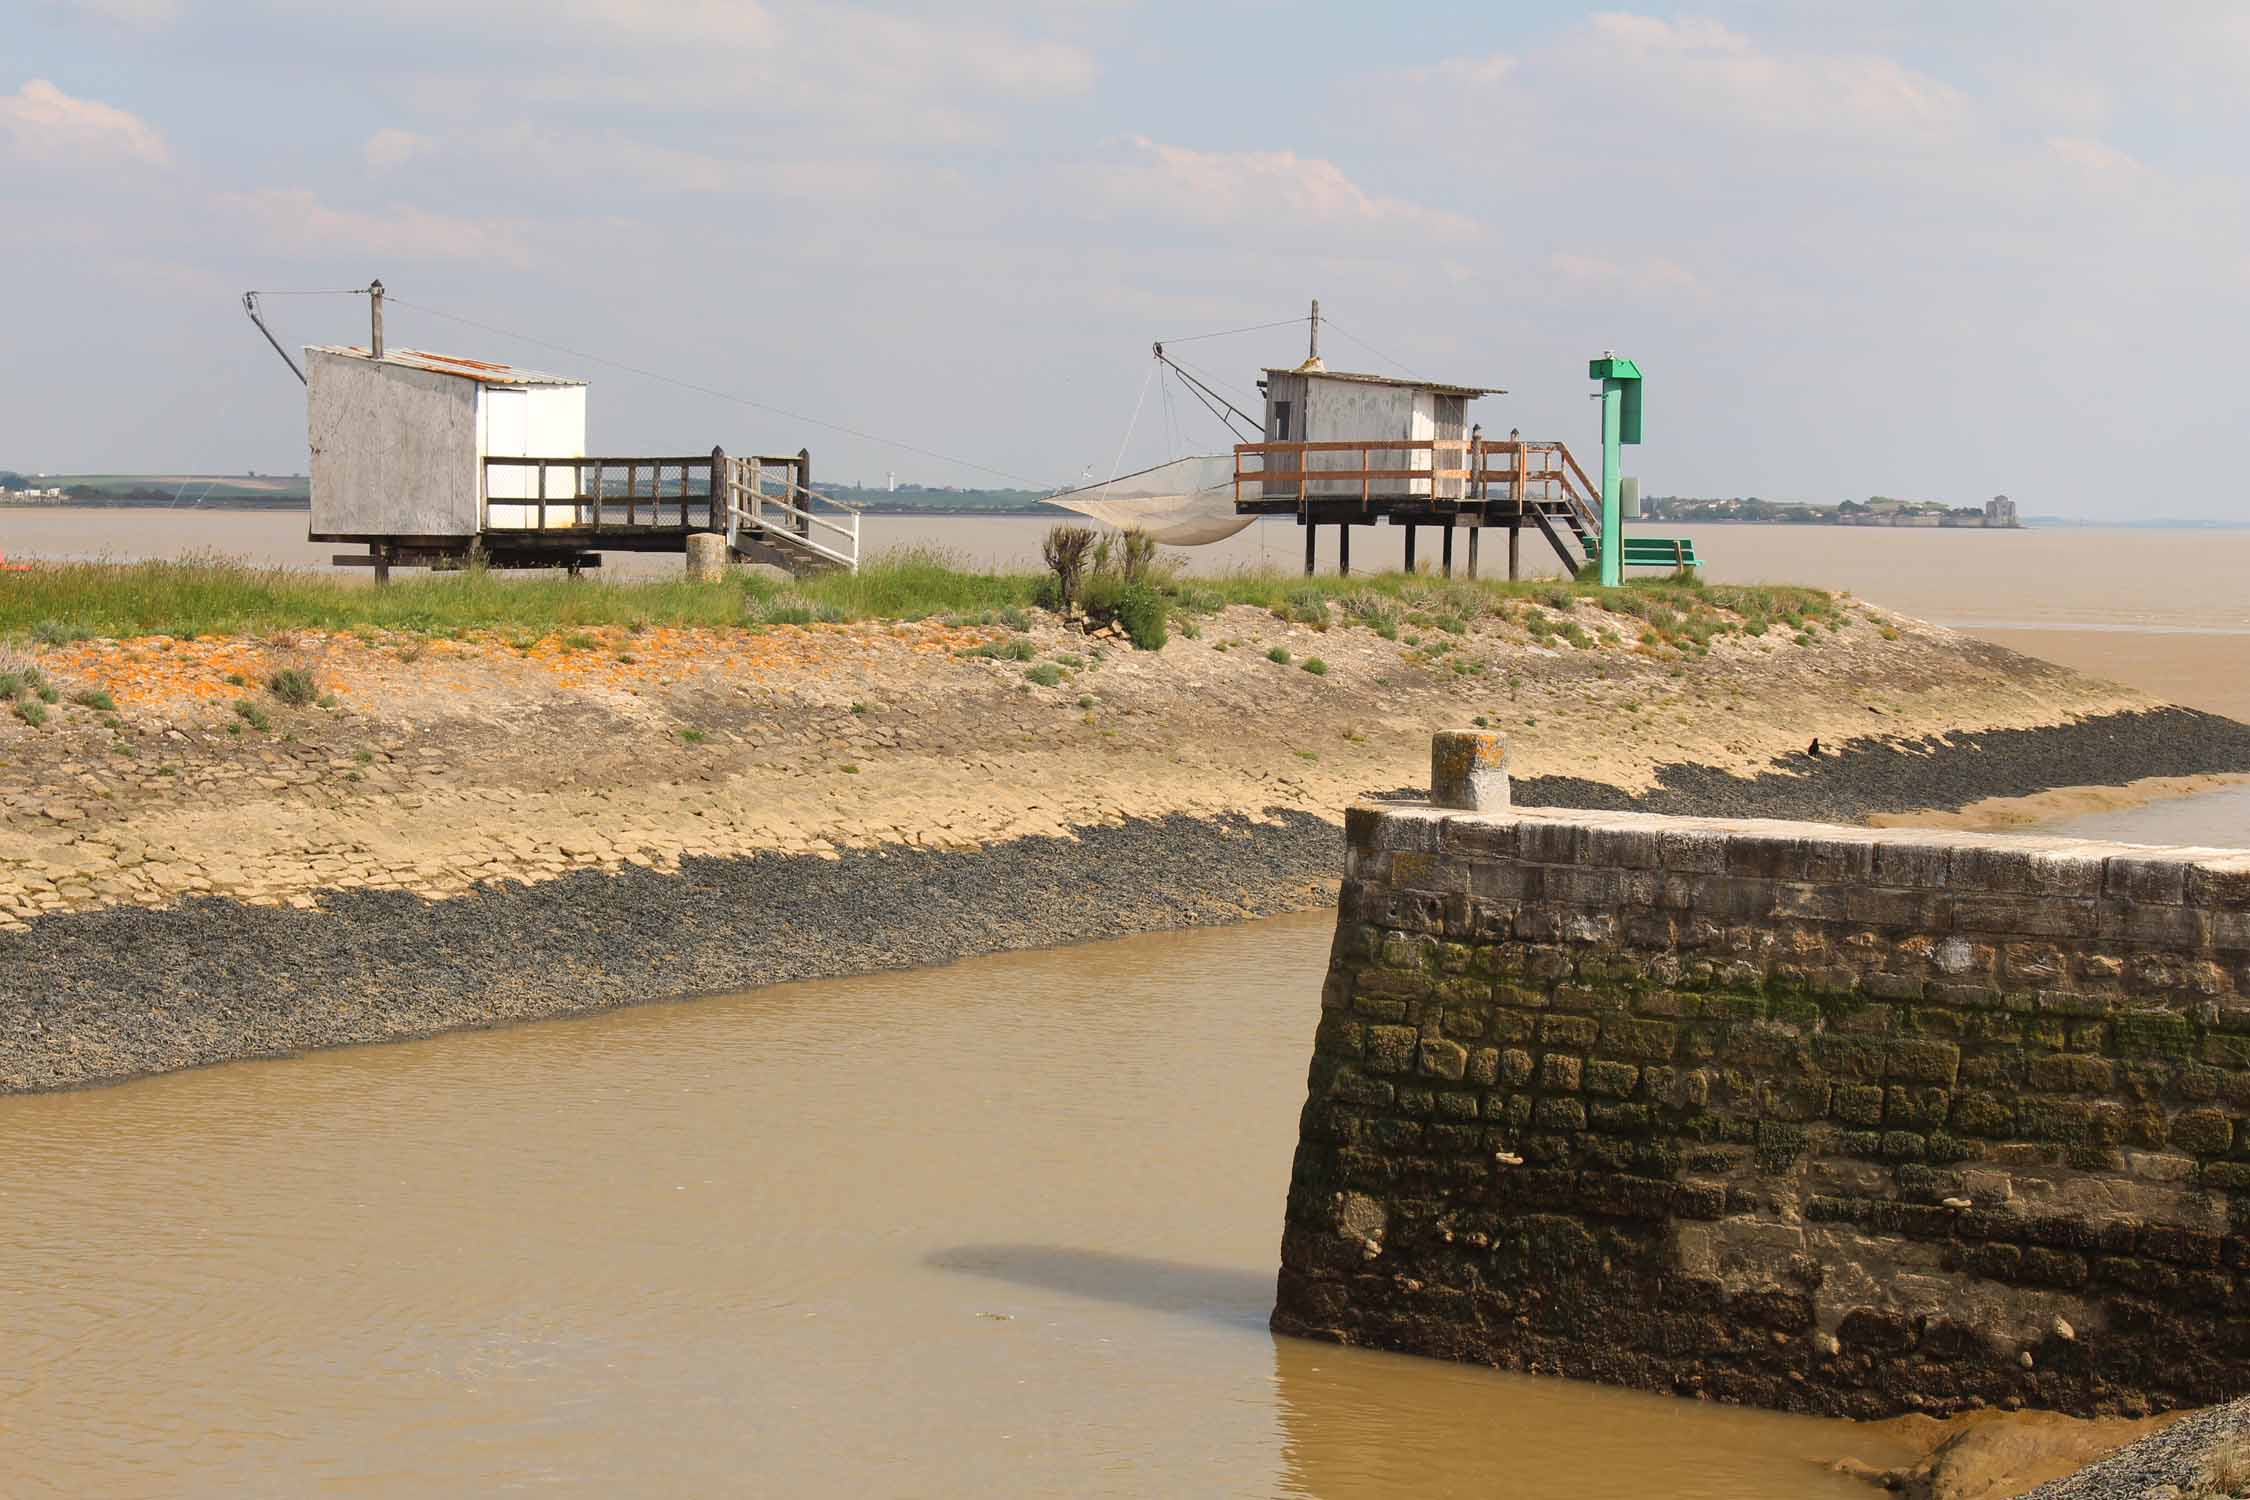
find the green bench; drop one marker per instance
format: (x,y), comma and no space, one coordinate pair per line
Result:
(1677,553)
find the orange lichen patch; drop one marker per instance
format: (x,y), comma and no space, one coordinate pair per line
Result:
(165,672)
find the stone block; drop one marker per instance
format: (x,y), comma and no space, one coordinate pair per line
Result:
(1857,1103)
(1416,870)
(2152,924)
(1391,1049)
(1444,1059)
(2030,916)
(2071,1073)
(2204,1132)
(1922,1061)
(2146,880)
(1559,1114)
(1469,770)
(1919,863)
(1637,1038)
(1484,1067)
(1515,1067)
(1919,1109)
(1571,1033)
(1615,1080)
(1560,1071)
(2221,883)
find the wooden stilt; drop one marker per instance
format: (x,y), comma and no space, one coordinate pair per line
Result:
(1311,531)
(1474,533)
(1515,541)
(1447,551)
(1344,550)
(1410,547)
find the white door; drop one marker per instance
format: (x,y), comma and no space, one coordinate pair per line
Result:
(507,433)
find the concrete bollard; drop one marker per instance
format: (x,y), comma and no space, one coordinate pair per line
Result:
(1469,770)
(706,557)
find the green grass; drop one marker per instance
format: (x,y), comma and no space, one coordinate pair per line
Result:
(214,596)
(1278,654)
(293,686)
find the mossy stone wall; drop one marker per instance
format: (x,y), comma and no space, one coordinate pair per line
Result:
(1839,1120)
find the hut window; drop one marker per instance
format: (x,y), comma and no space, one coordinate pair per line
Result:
(1281,421)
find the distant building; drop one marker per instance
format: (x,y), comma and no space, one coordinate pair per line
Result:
(2000,511)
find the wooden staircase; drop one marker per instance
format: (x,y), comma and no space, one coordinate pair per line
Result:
(773,517)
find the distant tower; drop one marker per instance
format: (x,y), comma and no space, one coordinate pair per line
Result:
(2000,511)
(891,478)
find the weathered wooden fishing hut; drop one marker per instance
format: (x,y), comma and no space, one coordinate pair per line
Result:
(1345,449)
(431,460)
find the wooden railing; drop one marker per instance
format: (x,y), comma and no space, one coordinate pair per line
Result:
(764,495)
(569,494)
(1493,477)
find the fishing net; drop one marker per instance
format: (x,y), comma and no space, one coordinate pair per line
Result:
(1186,503)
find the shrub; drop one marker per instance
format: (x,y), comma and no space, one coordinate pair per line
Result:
(1314,665)
(56,633)
(1305,605)
(1046,674)
(1374,611)
(692,736)
(1279,654)
(95,698)
(1015,619)
(293,686)
(251,714)
(32,712)
(1136,558)
(1141,611)
(1065,551)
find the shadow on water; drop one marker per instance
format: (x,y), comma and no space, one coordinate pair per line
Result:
(1215,1294)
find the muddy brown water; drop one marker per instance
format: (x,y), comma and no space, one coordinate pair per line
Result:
(1003,1228)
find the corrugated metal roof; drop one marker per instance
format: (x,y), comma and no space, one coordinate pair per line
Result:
(1443,388)
(483,371)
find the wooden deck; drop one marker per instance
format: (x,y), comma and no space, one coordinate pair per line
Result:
(565,511)
(1453,484)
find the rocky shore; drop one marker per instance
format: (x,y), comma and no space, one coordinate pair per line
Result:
(473,832)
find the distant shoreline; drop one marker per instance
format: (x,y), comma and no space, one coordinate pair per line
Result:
(2036,523)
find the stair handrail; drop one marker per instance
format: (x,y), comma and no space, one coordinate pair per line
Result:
(796,522)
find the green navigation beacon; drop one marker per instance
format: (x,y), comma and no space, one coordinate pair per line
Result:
(1621,423)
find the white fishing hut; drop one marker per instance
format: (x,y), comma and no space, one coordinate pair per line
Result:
(399,443)
(1310,404)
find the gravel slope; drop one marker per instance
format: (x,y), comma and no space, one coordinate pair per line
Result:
(114,992)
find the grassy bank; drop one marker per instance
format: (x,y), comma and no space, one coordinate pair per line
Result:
(215,596)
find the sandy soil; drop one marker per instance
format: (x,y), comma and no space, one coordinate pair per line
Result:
(443,763)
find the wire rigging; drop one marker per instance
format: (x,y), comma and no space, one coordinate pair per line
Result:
(705,390)
(1370,348)
(1230,332)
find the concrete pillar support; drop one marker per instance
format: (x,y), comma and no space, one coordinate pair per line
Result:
(1469,771)
(706,557)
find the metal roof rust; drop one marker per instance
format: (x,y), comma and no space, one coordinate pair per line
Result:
(483,371)
(1442,387)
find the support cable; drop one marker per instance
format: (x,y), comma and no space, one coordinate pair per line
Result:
(704,390)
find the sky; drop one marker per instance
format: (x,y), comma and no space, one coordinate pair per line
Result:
(1931,250)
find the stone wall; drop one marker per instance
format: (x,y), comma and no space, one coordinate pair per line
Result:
(1841,1120)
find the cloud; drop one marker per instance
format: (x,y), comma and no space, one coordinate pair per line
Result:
(1268,189)
(295,222)
(1701,66)
(135,14)
(2092,156)
(391,147)
(1644,274)
(42,123)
